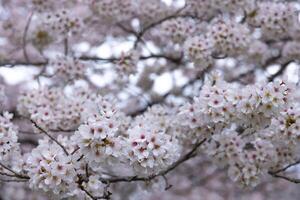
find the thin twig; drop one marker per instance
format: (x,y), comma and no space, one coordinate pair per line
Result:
(168,186)
(156,23)
(10,64)
(286,167)
(15,173)
(280,71)
(25,38)
(50,136)
(66,46)
(13,180)
(293,180)
(6,174)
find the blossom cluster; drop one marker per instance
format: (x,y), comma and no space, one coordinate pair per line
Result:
(64,23)
(243,127)
(99,138)
(128,125)
(106,139)
(115,11)
(55,26)
(151,11)
(42,6)
(229,38)
(199,49)
(10,153)
(223,38)
(50,169)
(127,64)
(68,68)
(275,19)
(52,109)
(178,29)
(151,149)
(206,9)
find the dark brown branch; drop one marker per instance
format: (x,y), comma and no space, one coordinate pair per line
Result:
(242,75)
(6,174)
(28,141)
(13,180)
(286,167)
(88,193)
(280,71)
(81,180)
(293,180)
(50,136)
(21,176)
(140,34)
(66,46)
(11,64)
(168,185)
(277,175)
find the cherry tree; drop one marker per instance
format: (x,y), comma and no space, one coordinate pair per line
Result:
(149,99)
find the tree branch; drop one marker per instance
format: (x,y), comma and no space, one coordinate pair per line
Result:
(280,71)
(277,175)
(10,64)
(293,180)
(25,38)
(50,136)
(17,175)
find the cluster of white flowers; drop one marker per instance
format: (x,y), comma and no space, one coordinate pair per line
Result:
(160,117)
(42,5)
(233,5)
(114,10)
(199,49)
(250,130)
(203,9)
(150,149)
(274,18)
(9,147)
(223,38)
(106,139)
(151,11)
(98,138)
(229,38)
(241,125)
(95,186)
(52,109)
(50,169)
(53,22)
(128,63)
(248,160)
(63,23)
(178,29)
(206,9)
(68,68)
(41,35)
